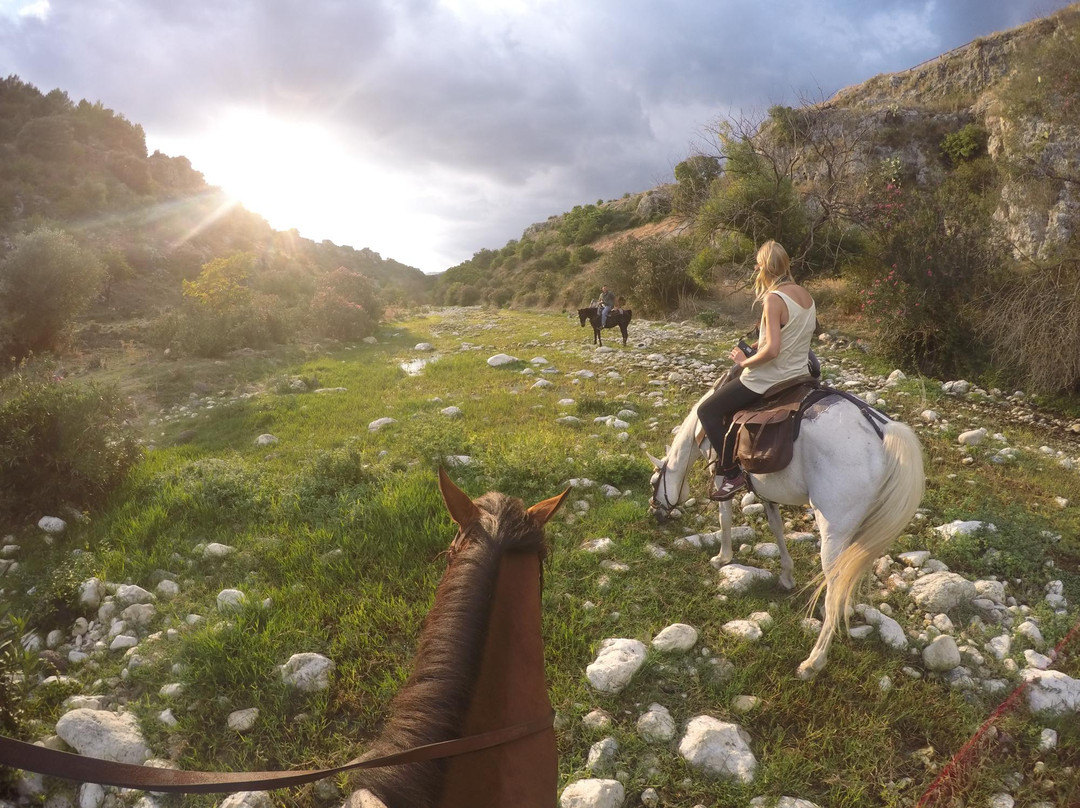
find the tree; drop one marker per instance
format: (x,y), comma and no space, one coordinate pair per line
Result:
(45,282)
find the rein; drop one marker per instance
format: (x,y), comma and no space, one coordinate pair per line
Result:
(22,755)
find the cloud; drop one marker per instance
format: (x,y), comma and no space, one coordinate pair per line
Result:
(491,114)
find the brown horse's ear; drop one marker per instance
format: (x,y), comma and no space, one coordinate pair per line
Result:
(542,511)
(462,510)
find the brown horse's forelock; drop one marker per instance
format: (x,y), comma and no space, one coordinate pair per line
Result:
(432,704)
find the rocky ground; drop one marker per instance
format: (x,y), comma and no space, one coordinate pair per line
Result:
(998,646)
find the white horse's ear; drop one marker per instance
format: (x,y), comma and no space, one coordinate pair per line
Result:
(654,461)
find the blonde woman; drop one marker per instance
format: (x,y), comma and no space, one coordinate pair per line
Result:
(788,319)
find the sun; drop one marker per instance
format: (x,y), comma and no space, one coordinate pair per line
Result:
(274,166)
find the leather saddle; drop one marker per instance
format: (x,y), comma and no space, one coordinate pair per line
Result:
(764,435)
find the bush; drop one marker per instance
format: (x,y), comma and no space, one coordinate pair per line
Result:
(45,282)
(966,144)
(345,305)
(60,442)
(653,270)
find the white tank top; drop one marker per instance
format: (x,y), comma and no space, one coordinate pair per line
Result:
(795,337)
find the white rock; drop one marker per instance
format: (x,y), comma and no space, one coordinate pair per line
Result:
(230,600)
(1036,660)
(718,748)
(379,423)
(999,646)
(217,550)
(52,524)
(568,420)
(991,590)
(678,637)
(307,672)
(745,704)
(736,578)
(915,558)
(891,633)
(91,591)
(167,718)
(247,799)
(942,591)
(500,359)
(1001,801)
(1031,631)
(767,549)
(782,802)
(103,734)
(930,416)
(743,629)
(1052,692)
(656,725)
(167,590)
(597,719)
(127,594)
(811,626)
(959,527)
(615,664)
(139,615)
(266,439)
(1048,740)
(941,654)
(423,346)
(91,795)
(593,793)
(973,437)
(172,690)
(457,461)
(122,641)
(600,546)
(451,412)
(542,384)
(565,402)
(757,509)
(601,758)
(242,720)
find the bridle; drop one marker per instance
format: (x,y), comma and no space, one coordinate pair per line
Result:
(22,755)
(661,511)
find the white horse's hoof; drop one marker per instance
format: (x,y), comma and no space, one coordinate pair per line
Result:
(806,671)
(787,583)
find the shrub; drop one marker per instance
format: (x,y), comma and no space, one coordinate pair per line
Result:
(653,270)
(584,254)
(966,144)
(345,305)
(60,442)
(45,282)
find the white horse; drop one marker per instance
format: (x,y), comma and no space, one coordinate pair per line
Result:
(864,481)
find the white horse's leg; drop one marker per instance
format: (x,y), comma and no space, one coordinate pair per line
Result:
(787,566)
(725,532)
(835,536)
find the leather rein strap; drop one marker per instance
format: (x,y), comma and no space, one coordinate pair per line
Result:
(22,755)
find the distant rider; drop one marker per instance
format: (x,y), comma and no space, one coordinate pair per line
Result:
(607,303)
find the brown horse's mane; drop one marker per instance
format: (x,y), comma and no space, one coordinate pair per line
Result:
(432,704)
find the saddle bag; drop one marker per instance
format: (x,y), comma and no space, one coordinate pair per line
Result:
(764,437)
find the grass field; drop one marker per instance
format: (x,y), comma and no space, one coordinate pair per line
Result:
(337,533)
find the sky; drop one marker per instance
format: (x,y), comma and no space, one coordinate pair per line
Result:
(427,130)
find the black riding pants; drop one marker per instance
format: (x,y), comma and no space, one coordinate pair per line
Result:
(715,415)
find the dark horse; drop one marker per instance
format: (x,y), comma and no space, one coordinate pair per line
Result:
(479,667)
(620,318)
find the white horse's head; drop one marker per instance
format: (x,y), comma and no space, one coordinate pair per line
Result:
(671,478)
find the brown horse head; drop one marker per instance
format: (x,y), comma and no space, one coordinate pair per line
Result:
(479,666)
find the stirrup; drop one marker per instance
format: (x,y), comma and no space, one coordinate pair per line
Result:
(727,487)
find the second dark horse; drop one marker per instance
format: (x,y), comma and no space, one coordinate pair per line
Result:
(620,318)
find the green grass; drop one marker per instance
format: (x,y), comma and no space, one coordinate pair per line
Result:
(339,531)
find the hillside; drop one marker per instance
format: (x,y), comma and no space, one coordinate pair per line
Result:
(937,209)
(153,219)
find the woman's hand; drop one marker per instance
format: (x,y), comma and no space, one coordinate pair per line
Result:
(737,356)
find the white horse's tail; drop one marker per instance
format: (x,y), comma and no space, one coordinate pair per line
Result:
(899,496)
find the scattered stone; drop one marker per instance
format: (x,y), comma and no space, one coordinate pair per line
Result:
(972,437)
(656,725)
(451,412)
(941,654)
(745,704)
(615,664)
(678,637)
(217,550)
(231,600)
(247,799)
(243,720)
(500,359)
(600,546)
(597,719)
(718,748)
(266,439)
(736,578)
(1051,692)
(307,672)
(379,423)
(743,629)
(593,793)
(103,734)
(602,754)
(942,591)
(127,594)
(53,525)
